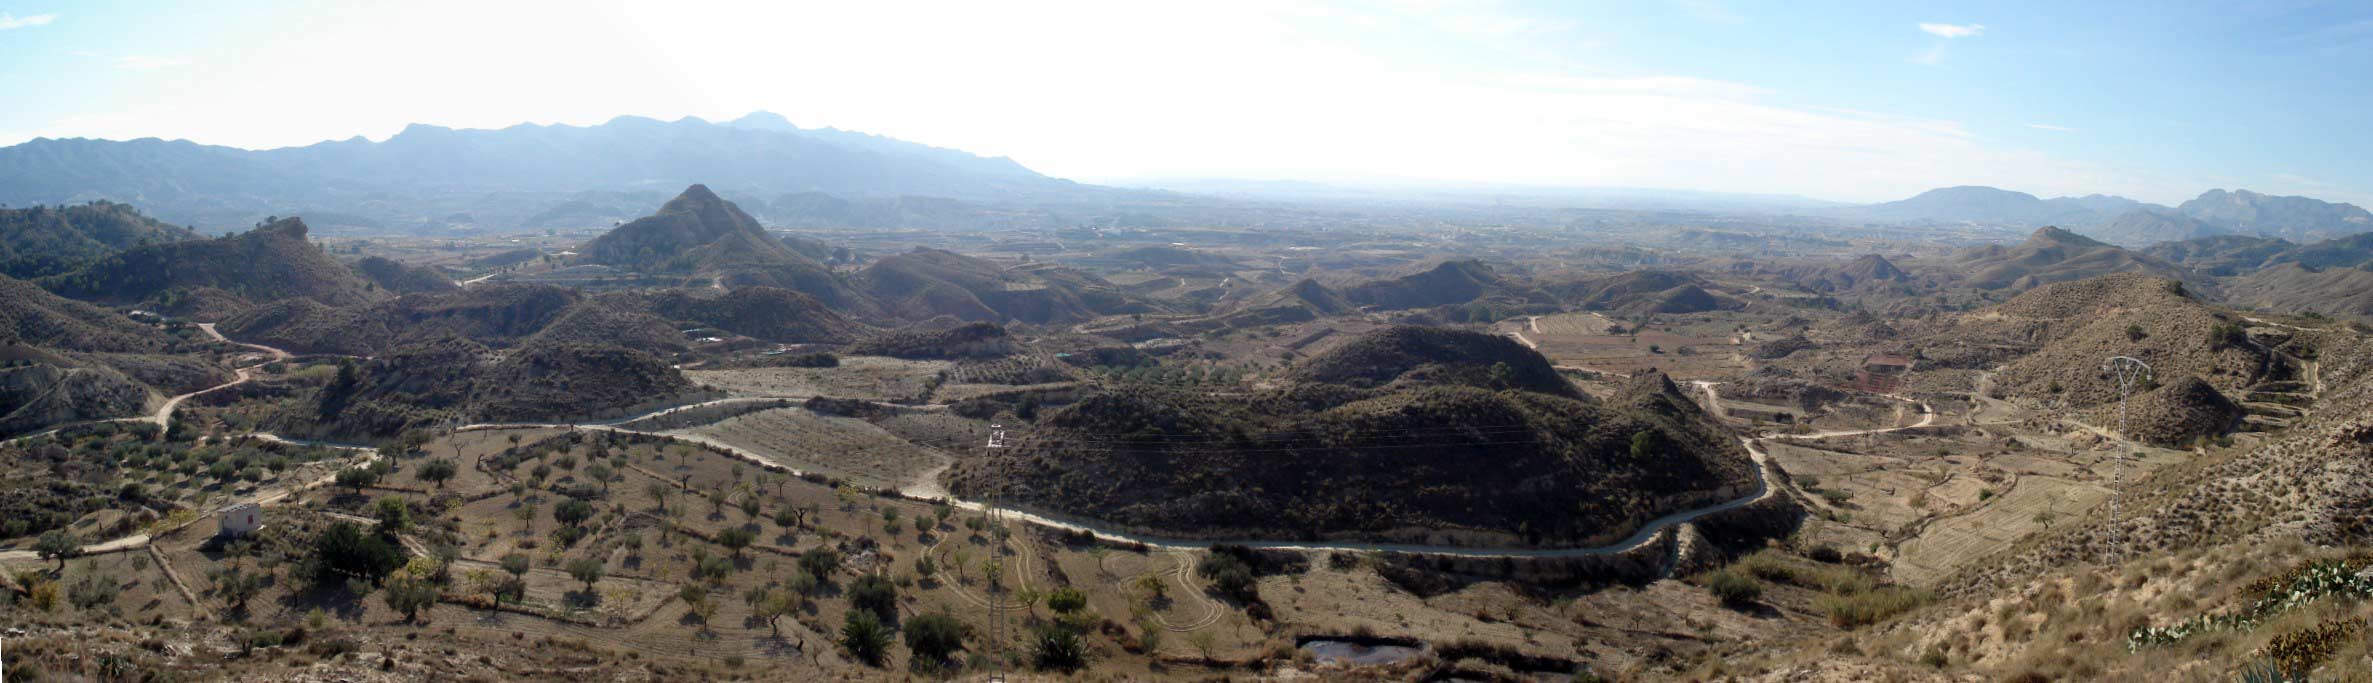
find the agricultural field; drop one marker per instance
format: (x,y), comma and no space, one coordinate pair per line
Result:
(840,447)
(1580,340)
(1942,499)
(863,377)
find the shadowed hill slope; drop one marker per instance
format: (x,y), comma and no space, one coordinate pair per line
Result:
(49,240)
(1426,458)
(273,262)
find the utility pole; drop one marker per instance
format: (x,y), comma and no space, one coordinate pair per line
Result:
(2128,371)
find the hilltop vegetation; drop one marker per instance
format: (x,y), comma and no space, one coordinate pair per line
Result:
(2076,325)
(703,237)
(272,262)
(1435,455)
(49,240)
(455,381)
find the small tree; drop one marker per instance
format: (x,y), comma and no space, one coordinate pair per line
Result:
(393,513)
(1204,641)
(736,538)
(517,564)
(874,593)
(410,594)
(658,492)
(1645,444)
(572,511)
(58,544)
(772,605)
(358,478)
(749,506)
(1067,600)
(437,472)
(601,473)
(925,568)
(235,585)
(820,561)
(801,582)
(586,570)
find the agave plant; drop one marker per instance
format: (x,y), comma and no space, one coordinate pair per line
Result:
(2264,671)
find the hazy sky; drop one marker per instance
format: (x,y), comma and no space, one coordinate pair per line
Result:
(1850,101)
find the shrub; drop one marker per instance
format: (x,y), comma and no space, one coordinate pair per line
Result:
(345,551)
(1734,590)
(1055,648)
(934,636)
(1871,607)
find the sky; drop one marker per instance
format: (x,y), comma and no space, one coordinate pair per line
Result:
(1864,101)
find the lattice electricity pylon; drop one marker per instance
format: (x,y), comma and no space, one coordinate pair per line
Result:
(996,436)
(2128,371)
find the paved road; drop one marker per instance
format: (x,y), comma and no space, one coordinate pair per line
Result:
(1641,537)
(1646,533)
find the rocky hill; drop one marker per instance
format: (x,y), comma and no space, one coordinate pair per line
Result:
(37,396)
(2176,414)
(2289,288)
(926,283)
(2297,219)
(31,315)
(505,315)
(1641,291)
(2222,255)
(2076,326)
(931,341)
(498,315)
(2052,255)
(1443,284)
(2151,226)
(768,313)
(707,239)
(272,262)
(399,278)
(454,381)
(49,240)
(1417,460)
(1431,355)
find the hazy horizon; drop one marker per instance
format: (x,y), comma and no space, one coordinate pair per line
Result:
(1841,105)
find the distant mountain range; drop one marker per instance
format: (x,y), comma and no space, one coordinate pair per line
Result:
(433,177)
(2125,221)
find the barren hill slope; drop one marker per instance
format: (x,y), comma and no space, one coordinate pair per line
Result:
(2052,255)
(2076,326)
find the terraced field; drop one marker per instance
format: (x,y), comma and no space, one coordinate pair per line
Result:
(867,377)
(842,447)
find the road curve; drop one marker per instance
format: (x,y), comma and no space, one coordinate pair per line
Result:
(1646,533)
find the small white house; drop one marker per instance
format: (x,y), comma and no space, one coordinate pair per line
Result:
(241,520)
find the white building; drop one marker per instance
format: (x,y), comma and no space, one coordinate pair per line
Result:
(241,520)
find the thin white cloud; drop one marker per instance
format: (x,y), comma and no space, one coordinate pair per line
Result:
(141,62)
(9,21)
(2052,128)
(1952,30)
